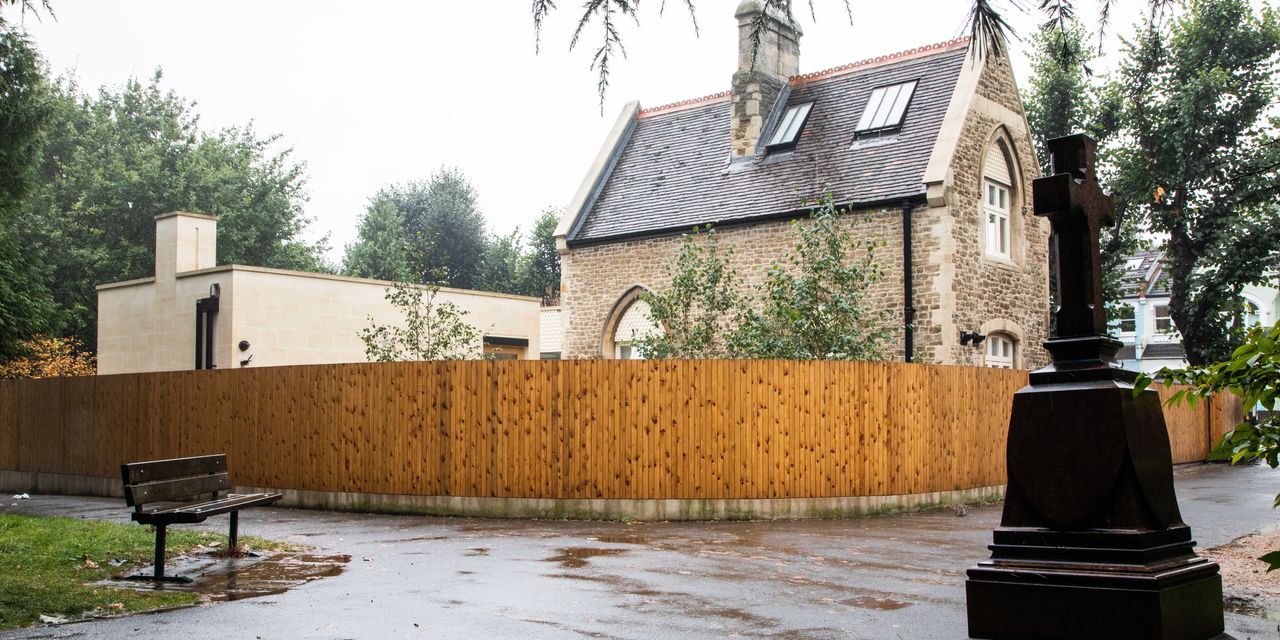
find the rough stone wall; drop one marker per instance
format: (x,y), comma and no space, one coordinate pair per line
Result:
(595,277)
(992,293)
(930,248)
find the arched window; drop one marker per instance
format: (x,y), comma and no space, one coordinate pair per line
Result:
(627,323)
(998,229)
(1000,351)
(1252,315)
(634,325)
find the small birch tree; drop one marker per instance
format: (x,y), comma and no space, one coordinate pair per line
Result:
(694,312)
(433,329)
(816,307)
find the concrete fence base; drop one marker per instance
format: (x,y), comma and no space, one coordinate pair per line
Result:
(585,509)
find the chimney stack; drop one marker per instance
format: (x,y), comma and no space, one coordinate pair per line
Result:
(185,242)
(756,88)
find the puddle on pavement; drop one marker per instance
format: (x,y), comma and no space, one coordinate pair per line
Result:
(222,579)
(413,539)
(872,602)
(477,551)
(619,538)
(577,557)
(1249,607)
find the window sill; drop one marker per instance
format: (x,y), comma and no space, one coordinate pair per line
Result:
(1001,261)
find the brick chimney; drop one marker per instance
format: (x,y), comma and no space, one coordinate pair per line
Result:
(755,88)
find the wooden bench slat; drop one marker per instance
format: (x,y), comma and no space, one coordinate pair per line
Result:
(140,472)
(182,514)
(182,488)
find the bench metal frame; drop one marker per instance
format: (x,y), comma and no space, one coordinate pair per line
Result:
(175,484)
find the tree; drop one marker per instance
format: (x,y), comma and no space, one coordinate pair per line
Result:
(433,329)
(987,28)
(1058,100)
(444,229)
(34,6)
(817,309)
(697,309)
(43,357)
(380,250)
(540,268)
(501,264)
(26,306)
(1252,372)
(112,161)
(1198,159)
(1061,101)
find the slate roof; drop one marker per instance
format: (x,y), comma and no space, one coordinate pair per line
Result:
(674,171)
(1154,351)
(1164,350)
(1150,271)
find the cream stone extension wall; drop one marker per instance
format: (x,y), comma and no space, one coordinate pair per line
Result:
(286,317)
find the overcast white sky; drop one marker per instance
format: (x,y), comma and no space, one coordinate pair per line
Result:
(372,93)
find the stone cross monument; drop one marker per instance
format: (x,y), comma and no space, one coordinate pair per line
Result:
(1091,543)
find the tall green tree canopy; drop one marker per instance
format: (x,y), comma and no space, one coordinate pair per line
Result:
(444,228)
(540,270)
(114,160)
(380,250)
(1196,156)
(528,266)
(26,306)
(501,264)
(1058,99)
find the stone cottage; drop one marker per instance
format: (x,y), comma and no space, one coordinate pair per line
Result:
(929,147)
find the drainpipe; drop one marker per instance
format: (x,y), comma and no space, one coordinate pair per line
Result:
(908,309)
(206,311)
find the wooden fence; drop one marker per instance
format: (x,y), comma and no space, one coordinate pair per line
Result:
(547,429)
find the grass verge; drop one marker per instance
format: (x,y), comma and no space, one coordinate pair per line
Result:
(46,562)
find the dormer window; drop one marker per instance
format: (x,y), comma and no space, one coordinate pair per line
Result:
(886,108)
(788,129)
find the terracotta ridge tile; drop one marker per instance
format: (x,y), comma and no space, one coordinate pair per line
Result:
(684,104)
(917,52)
(803,78)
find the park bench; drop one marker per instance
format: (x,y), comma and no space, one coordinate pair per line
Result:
(183,490)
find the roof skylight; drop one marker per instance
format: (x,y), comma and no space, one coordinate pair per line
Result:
(886,107)
(788,129)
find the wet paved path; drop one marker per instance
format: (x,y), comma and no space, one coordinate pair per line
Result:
(422,577)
